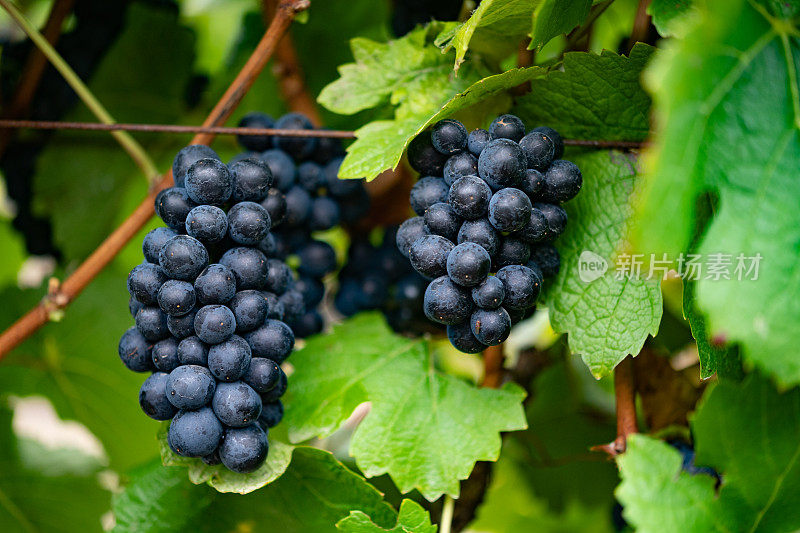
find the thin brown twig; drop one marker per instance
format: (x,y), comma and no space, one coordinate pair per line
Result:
(625,395)
(220,130)
(286,68)
(574,38)
(493,367)
(113,244)
(34,69)
(641,24)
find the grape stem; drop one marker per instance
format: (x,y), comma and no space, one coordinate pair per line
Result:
(128,143)
(492,367)
(625,395)
(34,68)
(447,514)
(114,243)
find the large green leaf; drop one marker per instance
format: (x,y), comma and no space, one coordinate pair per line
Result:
(606,315)
(80,176)
(595,96)
(412,518)
(224,480)
(425,429)
(494,28)
(726,100)
(555,17)
(750,433)
(41,501)
(314,493)
(668,15)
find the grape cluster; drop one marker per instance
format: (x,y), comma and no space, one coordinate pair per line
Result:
(379,277)
(308,197)
(210,310)
(488,209)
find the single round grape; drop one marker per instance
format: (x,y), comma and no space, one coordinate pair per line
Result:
(193,351)
(153,397)
(154,241)
(262,375)
(428,255)
(460,336)
(311,176)
(256,143)
(502,164)
(249,267)
(408,232)
(293,305)
(194,433)
(477,141)
(558,142)
(245,449)
(490,326)
(317,258)
(182,326)
(512,251)
(275,204)
(481,232)
(447,303)
(449,136)
(214,323)
(278,390)
(310,323)
(165,355)
(312,289)
(507,127)
(298,147)
(207,223)
(176,298)
(423,157)
(183,257)
(298,206)
(441,219)
(562,182)
(426,192)
(539,150)
(535,230)
(208,181)
(134,305)
(468,264)
(273,340)
(186,157)
(509,209)
(252,179)
(274,305)
(144,281)
(278,276)
(135,351)
(458,166)
(546,257)
(173,205)
(190,387)
(556,219)
(489,294)
(532,183)
(250,310)
(521,285)
(271,414)
(282,168)
(216,284)
(248,223)
(236,404)
(152,323)
(229,359)
(324,215)
(469,197)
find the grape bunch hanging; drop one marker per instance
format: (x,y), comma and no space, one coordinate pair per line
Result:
(210,310)
(488,209)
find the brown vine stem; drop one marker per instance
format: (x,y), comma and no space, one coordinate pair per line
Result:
(625,394)
(286,68)
(62,295)
(34,68)
(641,24)
(492,367)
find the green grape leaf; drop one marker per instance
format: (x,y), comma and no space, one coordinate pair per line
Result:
(75,365)
(713,358)
(380,144)
(222,479)
(134,87)
(606,315)
(412,518)
(726,101)
(556,17)
(44,501)
(425,429)
(595,96)
(495,28)
(313,494)
(667,15)
(749,433)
